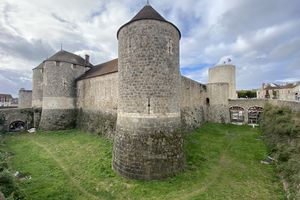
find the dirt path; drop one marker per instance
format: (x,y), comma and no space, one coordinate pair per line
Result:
(74,182)
(223,162)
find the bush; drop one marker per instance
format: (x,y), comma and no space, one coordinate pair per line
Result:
(281,129)
(246,94)
(8,183)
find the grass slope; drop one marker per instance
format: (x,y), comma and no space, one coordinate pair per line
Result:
(223,163)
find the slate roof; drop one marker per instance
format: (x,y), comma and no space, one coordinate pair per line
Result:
(148,12)
(65,56)
(101,69)
(40,66)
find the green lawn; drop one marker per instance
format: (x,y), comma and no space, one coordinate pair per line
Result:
(223,163)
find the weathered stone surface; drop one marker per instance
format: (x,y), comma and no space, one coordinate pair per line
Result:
(37,112)
(224,74)
(247,104)
(37,87)
(8,116)
(218,110)
(25,98)
(148,142)
(102,123)
(59,95)
(148,148)
(192,103)
(192,118)
(57,119)
(98,93)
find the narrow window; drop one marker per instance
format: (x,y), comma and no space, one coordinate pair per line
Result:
(170,47)
(57,63)
(207,101)
(148,105)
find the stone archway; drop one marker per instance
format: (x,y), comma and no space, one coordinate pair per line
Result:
(16,126)
(254,114)
(237,114)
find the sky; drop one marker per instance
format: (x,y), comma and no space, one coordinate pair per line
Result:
(261,37)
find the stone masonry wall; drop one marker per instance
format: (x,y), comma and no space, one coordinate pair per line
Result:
(248,103)
(193,104)
(59,95)
(25,98)
(224,74)
(218,95)
(294,105)
(7,116)
(97,104)
(37,87)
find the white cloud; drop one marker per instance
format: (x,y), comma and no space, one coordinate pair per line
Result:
(261,36)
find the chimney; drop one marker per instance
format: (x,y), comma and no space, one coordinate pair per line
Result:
(87,59)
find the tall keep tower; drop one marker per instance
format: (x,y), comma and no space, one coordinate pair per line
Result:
(59,74)
(148,142)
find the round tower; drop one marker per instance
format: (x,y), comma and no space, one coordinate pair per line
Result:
(59,74)
(37,93)
(148,142)
(224,74)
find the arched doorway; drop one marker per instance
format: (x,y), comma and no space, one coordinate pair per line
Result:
(17,126)
(254,114)
(237,114)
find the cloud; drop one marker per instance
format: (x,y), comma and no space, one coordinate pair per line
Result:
(261,36)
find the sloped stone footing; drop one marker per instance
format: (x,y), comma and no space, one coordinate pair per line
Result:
(147,152)
(192,118)
(101,123)
(57,119)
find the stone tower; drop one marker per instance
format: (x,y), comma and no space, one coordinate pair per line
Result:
(25,98)
(37,93)
(59,74)
(224,74)
(148,143)
(37,86)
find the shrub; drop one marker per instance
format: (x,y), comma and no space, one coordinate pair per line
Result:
(281,129)
(8,183)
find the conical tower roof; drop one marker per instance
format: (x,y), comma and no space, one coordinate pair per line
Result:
(148,12)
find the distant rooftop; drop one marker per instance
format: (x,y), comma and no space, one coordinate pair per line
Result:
(65,56)
(269,86)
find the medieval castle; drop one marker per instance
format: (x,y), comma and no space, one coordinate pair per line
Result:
(140,99)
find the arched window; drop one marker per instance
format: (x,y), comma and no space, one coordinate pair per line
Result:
(236,114)
(254,114)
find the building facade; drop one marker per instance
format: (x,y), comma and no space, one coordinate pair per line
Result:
(289,91)
(5,100)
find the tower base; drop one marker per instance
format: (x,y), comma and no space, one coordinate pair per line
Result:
(148,149)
